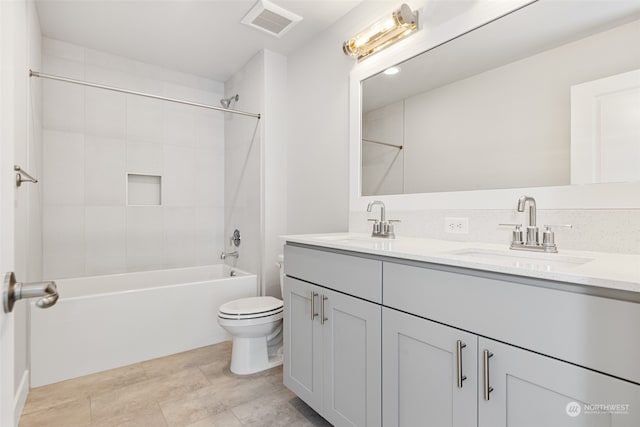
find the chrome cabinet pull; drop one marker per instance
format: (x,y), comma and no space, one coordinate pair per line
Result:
(313,305)
(459,346)
(322,318)
(486,354)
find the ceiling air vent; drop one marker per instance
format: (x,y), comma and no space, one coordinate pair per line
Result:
(271,18)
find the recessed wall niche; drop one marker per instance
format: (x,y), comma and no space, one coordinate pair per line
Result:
(144,190)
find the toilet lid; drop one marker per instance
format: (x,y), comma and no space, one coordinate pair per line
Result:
(253,305)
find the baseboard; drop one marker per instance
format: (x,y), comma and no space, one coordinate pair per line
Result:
(21,397)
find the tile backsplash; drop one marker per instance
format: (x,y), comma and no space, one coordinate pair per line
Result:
(93,138)
(606,230)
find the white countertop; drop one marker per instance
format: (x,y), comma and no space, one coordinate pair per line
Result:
(604,270)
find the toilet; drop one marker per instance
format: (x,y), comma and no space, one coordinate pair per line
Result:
(256,326)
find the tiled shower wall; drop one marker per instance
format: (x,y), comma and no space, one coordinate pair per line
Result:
(92,138)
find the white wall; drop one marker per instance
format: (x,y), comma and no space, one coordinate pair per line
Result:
(255,167)
(92,138)
(243,165)
(275,166)
(318,125)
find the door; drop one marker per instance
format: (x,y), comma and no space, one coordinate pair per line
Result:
(421,365)
(8,25)
(532,390)
(352,363)
(302,342)
(605,129)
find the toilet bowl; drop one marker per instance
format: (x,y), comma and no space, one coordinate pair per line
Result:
(256,327)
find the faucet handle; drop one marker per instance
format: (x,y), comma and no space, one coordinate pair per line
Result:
(516,235)
(376,227)
(548,226)
(548,238)
(390,230)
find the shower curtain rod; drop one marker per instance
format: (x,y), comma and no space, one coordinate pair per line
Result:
(399,147)
(133,92)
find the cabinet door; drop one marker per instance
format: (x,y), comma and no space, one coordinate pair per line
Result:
(352,365)
(302,372)
(533,390)
(420,373)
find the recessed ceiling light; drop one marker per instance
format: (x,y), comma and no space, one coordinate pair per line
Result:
(391,71)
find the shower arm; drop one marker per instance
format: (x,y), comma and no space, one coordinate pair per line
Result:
(226,102)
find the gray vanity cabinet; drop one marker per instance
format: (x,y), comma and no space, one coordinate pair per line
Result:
(422,362)
(512,386)
(445,346)
(332,340)
(530,389)
(303,352)
(352,360)
(420,382)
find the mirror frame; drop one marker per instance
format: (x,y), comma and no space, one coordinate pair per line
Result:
(624,195)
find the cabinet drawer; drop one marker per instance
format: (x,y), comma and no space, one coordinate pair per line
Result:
(360,277)
(586,330)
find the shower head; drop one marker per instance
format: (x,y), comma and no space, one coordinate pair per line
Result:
(226,102)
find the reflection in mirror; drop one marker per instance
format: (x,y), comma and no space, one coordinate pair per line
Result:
(548,95)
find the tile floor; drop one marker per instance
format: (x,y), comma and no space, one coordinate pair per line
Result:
(194,389)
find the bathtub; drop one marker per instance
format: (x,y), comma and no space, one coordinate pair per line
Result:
(104,322)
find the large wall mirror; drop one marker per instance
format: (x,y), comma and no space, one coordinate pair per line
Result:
(548,95)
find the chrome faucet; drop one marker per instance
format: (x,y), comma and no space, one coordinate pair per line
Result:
(532,240)
(532,228)
(234,254)
(382,227)
(382,208)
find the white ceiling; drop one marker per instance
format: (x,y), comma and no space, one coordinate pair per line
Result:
(202,37)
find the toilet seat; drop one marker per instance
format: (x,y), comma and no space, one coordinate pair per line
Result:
(250,321)
(251,308)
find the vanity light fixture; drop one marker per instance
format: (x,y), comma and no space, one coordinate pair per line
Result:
(382,33)
(391,71)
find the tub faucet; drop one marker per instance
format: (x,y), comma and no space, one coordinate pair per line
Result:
(234,254)
(383,227)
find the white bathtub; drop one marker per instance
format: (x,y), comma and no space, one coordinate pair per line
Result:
(104,322)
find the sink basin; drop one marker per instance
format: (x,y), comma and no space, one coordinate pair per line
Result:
(532,261)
